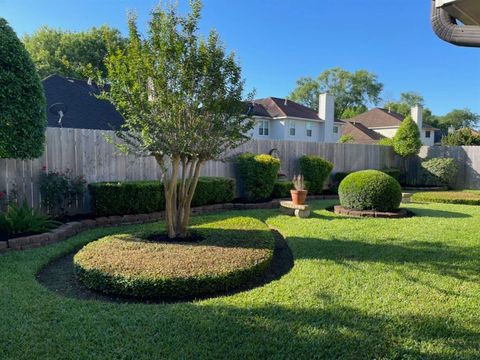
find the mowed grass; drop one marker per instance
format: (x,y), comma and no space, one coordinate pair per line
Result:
(359,289)
(466,197)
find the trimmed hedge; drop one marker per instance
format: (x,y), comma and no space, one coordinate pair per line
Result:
(370,190)
(141,197)
(234,251)
(315,170)
(281,189)
(448,197)
(439,172)
(339,176)
(258,174)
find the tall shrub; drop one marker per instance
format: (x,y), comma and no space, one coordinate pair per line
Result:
(23,116)
(315,170)
(406,141)
(258,174)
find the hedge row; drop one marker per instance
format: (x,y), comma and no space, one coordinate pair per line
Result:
(448,197)
(141,197)
(234,251)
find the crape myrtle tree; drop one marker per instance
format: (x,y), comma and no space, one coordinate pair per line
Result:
(181,97)
(23,116)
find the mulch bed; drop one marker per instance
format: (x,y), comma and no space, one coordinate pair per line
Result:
(59,277)
(402,213)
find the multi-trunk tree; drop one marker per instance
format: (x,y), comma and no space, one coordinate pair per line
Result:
(181,97)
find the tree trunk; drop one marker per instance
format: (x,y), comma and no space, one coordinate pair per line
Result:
(179,194)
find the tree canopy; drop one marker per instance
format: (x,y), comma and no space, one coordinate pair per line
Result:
(22,116)
(461,137)
(71,54)
(181,97)
(406,141)
(354,91)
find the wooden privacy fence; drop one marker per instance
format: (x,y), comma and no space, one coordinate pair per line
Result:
(85,152)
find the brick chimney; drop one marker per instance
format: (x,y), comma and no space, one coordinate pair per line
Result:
(326,112)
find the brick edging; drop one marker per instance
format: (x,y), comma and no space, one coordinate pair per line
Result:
(402,213)
(72,228)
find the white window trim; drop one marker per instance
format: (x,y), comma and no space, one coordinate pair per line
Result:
(294,127)
(261,125)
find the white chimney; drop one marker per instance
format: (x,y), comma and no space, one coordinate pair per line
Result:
(326,112)
(417,115)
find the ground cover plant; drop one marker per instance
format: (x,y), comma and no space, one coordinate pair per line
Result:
(467,197)
(232,252)
(359,289)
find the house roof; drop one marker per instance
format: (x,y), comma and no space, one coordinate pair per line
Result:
(379,117)
(273,107)
(360,133)
(83,109)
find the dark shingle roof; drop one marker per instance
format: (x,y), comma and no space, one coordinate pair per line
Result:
(382,118)
(360,133)
(273,107)
(84,110)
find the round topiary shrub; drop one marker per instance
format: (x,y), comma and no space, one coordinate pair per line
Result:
(315,170)
(233,252)
(257,174)
(370,190)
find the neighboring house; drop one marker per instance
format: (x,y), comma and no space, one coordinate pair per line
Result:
(386,123)
(73,104)
(283,119)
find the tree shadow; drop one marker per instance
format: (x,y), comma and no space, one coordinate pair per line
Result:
(328,331)
(427,256)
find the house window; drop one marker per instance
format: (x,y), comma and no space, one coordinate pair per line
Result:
(427,134)
(309,129)
(291,125)
(335,129)
(263,128)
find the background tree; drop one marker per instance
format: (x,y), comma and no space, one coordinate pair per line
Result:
(22,103)
(346,139)
(406,141)
(181,97)
(71,54)
(457,118)
(461,137)
(353,91)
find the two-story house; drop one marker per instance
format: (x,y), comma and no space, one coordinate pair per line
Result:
(283,119)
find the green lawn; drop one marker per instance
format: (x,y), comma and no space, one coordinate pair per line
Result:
(360,289)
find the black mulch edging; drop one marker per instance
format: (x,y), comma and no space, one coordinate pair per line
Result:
(59,277)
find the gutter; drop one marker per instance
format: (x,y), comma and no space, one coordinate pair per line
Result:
(447,29)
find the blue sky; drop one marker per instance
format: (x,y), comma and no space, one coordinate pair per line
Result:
(278,41)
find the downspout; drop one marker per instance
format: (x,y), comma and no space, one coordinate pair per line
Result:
(447,29)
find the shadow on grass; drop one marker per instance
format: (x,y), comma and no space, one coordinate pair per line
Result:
(332,331)
(428,256)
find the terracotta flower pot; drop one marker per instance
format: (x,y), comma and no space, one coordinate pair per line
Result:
(298,196)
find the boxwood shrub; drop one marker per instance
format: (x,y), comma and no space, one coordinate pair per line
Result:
(370,190)
(257,174)
(339,176)
(439,172)
(140,197)
(315,170)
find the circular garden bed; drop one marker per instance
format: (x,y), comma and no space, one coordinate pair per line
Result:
(232,252)
(449,197)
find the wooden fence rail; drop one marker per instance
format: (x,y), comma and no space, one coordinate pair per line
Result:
(85,152)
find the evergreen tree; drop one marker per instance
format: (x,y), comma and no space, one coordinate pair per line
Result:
(23,116)
(406,141)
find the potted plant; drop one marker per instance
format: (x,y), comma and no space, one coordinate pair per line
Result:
(299,194)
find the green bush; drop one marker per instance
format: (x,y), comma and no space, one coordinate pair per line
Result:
(315,170)
(141,197)
(439,172)
(281,189)
(339,176)
(370,190)
(23,116)
(386,142)
(233,252)
(257,174)
(406,141)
